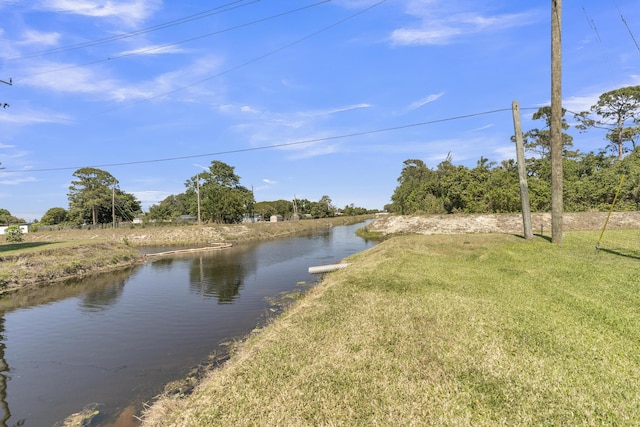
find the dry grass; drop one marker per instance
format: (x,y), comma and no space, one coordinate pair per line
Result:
(38,265)
(444,330)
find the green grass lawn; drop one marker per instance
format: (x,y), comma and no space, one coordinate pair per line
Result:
(445,330)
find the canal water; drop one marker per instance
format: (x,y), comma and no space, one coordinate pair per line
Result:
(116,340)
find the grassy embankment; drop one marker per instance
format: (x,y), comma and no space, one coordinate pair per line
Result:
(49,257)
(479,329)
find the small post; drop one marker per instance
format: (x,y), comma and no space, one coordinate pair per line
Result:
(522,173)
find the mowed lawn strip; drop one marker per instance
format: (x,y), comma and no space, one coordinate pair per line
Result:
(470,329)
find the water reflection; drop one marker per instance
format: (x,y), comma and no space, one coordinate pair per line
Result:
(4,371)
(214,279)
(117,339)
(99,299)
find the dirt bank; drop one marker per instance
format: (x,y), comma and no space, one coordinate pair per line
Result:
(500,223)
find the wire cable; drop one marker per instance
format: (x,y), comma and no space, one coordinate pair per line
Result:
(267,147)
(251,61)
(164,46)
(627,25)
(199,15)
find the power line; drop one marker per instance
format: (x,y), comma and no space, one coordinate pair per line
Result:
(251,61)
(627,25)
(164,46)
(267,147)
(199,15)
(592,24)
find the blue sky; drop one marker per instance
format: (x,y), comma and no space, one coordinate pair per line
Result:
(304,98)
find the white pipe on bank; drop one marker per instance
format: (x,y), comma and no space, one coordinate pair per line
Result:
(326,268)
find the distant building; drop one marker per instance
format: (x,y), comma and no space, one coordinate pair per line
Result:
(276,218)
(23,227)
(250,218)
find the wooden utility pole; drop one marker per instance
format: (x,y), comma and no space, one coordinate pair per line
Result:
(198,191)
(522,173)
(556,122)
(113,205)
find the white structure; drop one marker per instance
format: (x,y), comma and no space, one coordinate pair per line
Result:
(23,227)
(276,218)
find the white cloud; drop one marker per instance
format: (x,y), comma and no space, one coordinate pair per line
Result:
(152,50)
(73,80)
(426,100)
(150,197)
(98,82)
(128,12)
(422,36)
(305,151)
(269,181)
(27,116)
(481,128)
(8,179)
(505,152)
(248,109)
(345,108)
(443,23)
(269,128)
(577,104)
(33,37)
(334,110)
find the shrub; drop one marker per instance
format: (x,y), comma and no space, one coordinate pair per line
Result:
(14,233)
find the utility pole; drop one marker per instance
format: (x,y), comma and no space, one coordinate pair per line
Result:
(556,122)
(113,205)
(198,191)
(522,172)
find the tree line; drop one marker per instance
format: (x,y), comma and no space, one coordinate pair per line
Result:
(590,179)
(215,196)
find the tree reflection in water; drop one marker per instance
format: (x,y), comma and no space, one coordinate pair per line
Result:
(217,277)
(4,374)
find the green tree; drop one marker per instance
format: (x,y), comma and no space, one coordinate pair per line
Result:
(615,111)
(7,219)
(283,207)
(304,206)
(502,191)
(264,209)
(55,216)
(13,234)
(222,198)
(171,207)
(94,195)
(352,210)
(538,141)
(127,207)
(416,191)
(452,184)
(322,208)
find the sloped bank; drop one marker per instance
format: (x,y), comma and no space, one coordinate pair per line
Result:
(500,223)
(424,330)
(23,270)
